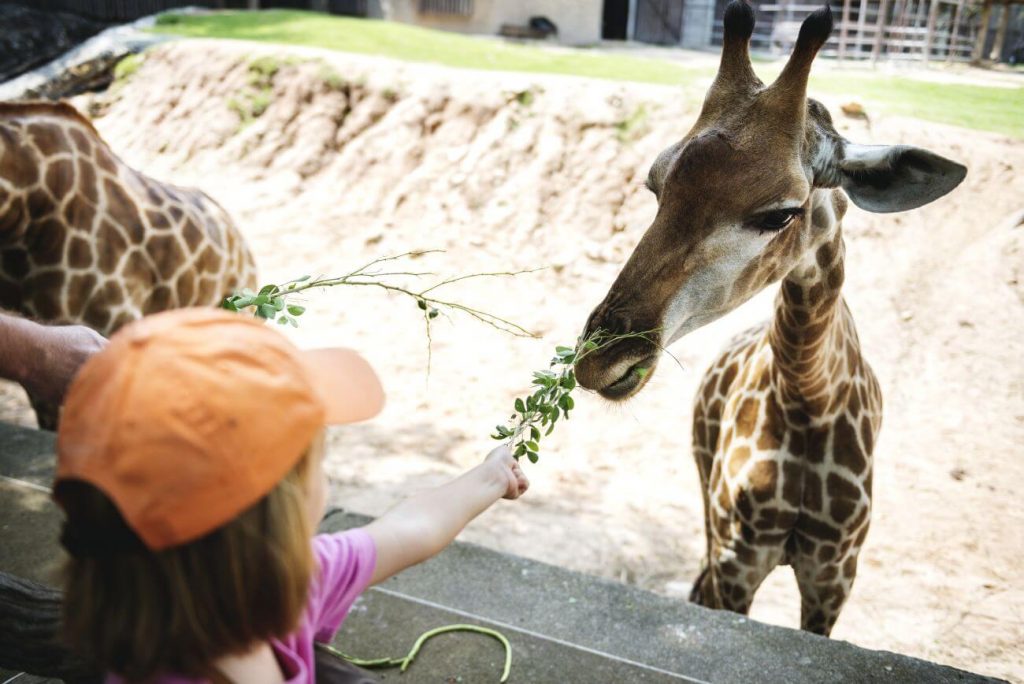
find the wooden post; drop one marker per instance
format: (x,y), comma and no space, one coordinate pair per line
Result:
(844,29)
(1004,21)
(29,629)
(929,34)
(876,49)
(253,4)
(953,43)
(979,42)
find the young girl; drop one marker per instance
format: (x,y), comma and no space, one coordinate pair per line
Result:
(190,469)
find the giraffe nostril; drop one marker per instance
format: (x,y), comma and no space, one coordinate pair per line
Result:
(617,323)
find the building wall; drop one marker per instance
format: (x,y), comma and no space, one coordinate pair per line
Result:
(578,21)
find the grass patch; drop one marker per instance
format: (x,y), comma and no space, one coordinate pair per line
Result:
(633,126)
(415,44)
(979,107)
(127,67)
(983,108)
(252,101)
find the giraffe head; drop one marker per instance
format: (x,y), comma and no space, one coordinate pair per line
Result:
(748,193)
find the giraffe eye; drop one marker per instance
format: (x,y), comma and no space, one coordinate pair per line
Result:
(775,220)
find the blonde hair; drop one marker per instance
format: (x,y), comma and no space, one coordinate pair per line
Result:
(140,613)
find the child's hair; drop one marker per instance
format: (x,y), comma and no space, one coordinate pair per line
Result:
(140,613)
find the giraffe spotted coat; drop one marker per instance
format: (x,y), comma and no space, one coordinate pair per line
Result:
(784,426)
(86,239)
(786,420)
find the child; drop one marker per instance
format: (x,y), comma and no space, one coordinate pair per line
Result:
(190,469)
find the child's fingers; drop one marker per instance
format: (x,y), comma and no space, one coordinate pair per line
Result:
(520,485)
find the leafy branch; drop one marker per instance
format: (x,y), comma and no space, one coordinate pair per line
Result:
(272,303)
(552,400)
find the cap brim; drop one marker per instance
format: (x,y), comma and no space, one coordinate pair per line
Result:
(346,383)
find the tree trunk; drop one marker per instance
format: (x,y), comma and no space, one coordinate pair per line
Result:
(1004,21)
(862,18)
(953,44)
(844,29)
(883,12)
(929,35)
(979,44)
(29,633)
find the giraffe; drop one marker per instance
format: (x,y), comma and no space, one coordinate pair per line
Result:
(785,421)
(86,239)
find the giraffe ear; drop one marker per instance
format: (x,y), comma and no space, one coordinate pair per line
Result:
(887,178)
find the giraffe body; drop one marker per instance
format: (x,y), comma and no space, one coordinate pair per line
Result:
(86,239)
(785,422)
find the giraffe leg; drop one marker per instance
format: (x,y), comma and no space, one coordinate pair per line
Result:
(735,571)
(701,585)
(702,591)
(824,588)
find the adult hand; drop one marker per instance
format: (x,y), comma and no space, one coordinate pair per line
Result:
(53,358)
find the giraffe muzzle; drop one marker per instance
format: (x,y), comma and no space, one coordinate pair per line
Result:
(631,381)
(616,375)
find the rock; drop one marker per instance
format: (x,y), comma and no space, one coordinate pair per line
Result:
(854,110)
(32,37)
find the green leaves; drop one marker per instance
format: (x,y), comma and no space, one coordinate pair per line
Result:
(269,303)
(535,415)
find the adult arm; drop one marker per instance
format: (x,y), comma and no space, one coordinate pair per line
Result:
(44,359)
(422,525)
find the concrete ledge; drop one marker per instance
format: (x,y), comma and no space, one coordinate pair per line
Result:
(564,627)
(665,639)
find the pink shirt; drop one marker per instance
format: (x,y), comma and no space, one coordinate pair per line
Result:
(345,564)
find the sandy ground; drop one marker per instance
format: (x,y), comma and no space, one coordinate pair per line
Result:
(413,157)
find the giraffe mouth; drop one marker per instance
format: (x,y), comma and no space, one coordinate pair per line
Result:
(630,382)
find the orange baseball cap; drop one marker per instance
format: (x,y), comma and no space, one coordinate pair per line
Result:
(188,418)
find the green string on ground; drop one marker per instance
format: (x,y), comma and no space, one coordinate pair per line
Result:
(405,662)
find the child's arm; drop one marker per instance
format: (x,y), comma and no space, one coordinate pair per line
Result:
(422,525)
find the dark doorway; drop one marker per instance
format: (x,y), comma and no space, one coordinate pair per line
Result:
(616,16)
(659,21)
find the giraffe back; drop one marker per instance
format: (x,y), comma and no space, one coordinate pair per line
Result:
(85,238)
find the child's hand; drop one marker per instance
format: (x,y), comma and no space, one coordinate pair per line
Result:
(425,523)
(508,466)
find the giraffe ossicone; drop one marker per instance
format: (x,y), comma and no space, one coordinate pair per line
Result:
(86,239)
(785,421)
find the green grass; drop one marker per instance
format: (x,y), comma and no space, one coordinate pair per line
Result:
(127,67)
(415,44)
(984,108)
(979,107)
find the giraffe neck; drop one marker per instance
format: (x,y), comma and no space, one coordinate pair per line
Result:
(812,334)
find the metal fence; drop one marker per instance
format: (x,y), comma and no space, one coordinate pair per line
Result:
(879,29)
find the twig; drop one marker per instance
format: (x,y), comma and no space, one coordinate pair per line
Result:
(271,303)
(405,662)
(552,399)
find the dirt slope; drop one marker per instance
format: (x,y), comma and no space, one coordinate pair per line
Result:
(355,158)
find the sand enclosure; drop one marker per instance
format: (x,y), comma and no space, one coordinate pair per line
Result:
(355,158)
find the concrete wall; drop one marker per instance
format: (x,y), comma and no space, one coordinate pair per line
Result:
(578,21)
